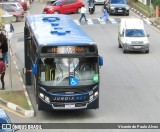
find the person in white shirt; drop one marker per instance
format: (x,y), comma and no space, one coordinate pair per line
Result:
(83,13)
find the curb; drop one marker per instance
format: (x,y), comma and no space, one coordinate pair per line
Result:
(134,10)
(27,113)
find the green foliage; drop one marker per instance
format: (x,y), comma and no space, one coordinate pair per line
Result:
(156,3)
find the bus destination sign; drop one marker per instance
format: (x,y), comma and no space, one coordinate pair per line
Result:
(67,49)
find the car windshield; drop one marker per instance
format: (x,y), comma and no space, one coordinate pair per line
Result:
(68,71)
(134,33)
(57,2)
(118,2)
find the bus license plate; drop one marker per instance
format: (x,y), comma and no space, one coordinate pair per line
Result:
(69,105)
(137,47)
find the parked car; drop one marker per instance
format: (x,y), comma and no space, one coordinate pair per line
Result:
(117,7)
(99,1)
(23,3)
(51,2)
(17,14)
(4,119)
(14,4)
(63,7)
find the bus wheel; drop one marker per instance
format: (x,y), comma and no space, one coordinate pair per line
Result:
(56,12)
(39,104)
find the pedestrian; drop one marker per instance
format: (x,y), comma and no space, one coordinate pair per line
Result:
(105,14)
(11,31)
(105,3)
(2,29)
(2,72)
(4,47)
(83,13)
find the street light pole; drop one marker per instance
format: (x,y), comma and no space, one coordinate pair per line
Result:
(150,7)
(6,19)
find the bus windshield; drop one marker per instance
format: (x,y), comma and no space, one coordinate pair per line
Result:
(60,71)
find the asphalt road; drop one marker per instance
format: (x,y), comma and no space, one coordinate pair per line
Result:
(130,83)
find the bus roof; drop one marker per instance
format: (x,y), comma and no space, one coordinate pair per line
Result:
(56,29)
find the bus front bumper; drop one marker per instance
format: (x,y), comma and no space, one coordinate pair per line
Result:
(94,104)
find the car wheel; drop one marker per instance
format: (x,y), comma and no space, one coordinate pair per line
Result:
(124,50)
(14,19)
(127,14)
(109,12)
(56,12)
(120,46)
(147,51)
(79,10)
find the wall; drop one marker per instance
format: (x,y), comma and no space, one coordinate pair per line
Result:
(143,1)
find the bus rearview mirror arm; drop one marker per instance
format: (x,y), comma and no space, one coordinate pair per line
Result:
(34,70)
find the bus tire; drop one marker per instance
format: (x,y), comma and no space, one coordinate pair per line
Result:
(39,104)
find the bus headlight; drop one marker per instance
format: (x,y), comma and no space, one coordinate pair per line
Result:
(41,95)
(96,94)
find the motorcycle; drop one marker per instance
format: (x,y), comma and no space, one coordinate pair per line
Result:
(91,8)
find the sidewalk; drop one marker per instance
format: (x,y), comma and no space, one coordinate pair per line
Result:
(13,78)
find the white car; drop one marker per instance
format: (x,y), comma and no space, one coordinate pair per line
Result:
(14,4)
(132,35)
(99,1)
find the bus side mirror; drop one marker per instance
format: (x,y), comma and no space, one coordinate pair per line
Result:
(100,61)
(34,69)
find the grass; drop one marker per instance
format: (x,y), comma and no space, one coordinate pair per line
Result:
(16,97)
(144,7)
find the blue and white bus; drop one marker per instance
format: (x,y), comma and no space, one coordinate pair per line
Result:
(64,63)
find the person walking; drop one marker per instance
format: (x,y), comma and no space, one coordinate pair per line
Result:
(4,47)
(83,13)
(105,14)
(10,33)
(2,72)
